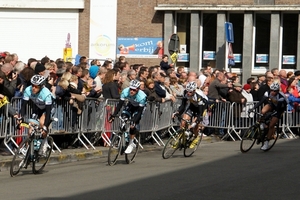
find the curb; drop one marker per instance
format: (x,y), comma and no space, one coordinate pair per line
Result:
(75,155)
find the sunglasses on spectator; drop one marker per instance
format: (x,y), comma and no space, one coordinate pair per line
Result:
(134,89)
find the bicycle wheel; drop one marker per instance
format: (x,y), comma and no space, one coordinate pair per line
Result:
(20,158)
(172,144)
(115,149)
(40,162)
(274,139)
(249,138)
(131,156)
(190,147)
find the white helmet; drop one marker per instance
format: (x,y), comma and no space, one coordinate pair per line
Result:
(275,86)
(134,84)
(38,80)
(191,86)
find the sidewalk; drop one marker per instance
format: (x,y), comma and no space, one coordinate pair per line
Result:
(79,154)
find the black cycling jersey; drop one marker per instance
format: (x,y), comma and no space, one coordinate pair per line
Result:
(193,105)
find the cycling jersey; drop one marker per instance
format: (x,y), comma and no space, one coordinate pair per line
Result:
(193,105)
(278,102)
(41,99)
(137,103)
(140,98)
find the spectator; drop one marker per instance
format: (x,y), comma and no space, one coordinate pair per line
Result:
(151,70)
(143,74)
(150,90)
(169,92)
(131,75)
(9,85)
(289,75)
(180,70)
(100,76)
(110,85)
(107,64)
(246,92)
(236,97)
(12,59)
(283,80)
(110,91)
(266,87)
(45,60)
(254,91)
(275,72)
(215,86)
(175,87)
(164,65)
(261,79)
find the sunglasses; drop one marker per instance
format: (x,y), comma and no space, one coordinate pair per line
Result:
(190,92)
(274,90)
(134,89)
(36,86)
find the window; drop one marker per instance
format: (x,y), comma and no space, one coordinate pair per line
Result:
(289,41)
(262,41)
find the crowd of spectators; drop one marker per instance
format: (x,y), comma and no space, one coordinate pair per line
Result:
(163,82)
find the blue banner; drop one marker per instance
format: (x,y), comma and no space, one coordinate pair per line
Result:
(134,47)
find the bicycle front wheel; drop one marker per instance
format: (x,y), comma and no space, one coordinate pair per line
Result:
(20,158)
(192,145)
(115,149)
(249,138)
(131,156)
(40,161)
(172,144)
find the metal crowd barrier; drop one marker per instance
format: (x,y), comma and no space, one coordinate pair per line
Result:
(231,118)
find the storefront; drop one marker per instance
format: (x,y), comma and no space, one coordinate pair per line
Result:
(265,37)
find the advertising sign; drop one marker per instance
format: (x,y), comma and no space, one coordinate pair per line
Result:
(262,58)
(209,55)
(103,29)
(288,59)
(135,47)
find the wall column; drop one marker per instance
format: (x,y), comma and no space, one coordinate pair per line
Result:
(221,42)
(247,59)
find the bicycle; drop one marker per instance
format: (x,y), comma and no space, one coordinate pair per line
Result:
(181,139)
(255,134)
(27,152)
(120,142)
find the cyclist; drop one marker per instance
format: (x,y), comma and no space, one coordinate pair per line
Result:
(137,100)
(275,101)
(42,100)
(193,106)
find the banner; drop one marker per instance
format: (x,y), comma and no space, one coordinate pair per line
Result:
(103,32)
(134,47)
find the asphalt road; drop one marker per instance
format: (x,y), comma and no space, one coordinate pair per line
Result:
(216,171)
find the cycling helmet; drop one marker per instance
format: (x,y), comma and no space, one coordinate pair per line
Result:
(134,84)
(191,86)
(275,86)
(38,80)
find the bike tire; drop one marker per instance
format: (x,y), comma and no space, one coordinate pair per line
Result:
(172,144)
(187,152)
(115,149)
(39,162)
(130,157)
(273,140)
(19,159)
(249,138)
